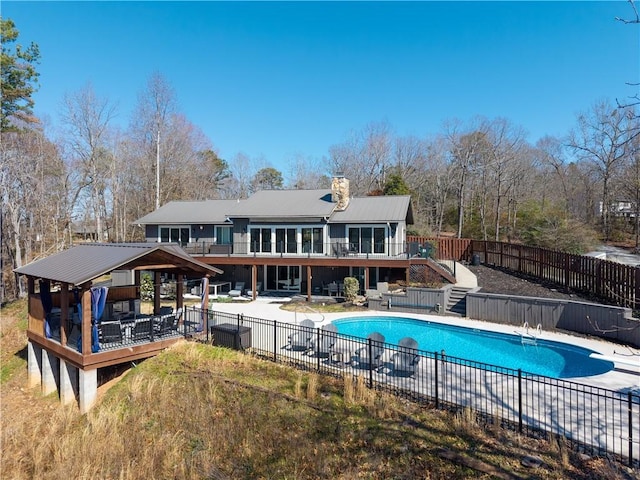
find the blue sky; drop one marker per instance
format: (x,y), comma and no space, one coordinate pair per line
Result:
(274,80)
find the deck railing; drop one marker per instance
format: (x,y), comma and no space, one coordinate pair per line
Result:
(594,420)
(335,249)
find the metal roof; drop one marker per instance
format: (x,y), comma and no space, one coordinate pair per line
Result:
(384,208)
(285,204)
(180,212)
(86,262)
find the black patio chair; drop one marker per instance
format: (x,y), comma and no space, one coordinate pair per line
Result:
(110,332)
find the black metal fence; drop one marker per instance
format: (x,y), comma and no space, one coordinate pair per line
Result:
(595,420)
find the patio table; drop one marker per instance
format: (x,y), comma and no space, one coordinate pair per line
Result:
(216,285)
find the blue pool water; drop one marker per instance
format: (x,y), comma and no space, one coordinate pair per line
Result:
(548,358)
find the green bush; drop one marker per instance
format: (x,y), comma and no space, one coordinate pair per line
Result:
(351,288)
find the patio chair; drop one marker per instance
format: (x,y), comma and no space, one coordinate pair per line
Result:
(300,340)
(110,332)
(168,325)
(142,330)
(258,288)
(328,337)
(371,358)
(237,291)
(405,360)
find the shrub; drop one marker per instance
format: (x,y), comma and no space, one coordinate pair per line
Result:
(351,288)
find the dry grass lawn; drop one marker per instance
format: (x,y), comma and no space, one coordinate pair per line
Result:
(203,412)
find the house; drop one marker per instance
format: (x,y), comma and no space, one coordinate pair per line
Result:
(84,312)
(296,241)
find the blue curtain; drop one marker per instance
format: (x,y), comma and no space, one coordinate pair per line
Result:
(47,306)
(98,301)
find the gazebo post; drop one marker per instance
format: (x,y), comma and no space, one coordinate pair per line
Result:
(179,291)
(86,320)
(156,292)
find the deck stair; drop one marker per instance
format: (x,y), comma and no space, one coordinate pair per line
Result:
(457,303)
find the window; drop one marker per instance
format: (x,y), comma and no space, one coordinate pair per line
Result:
(312,240)
(286,240)
(179,235)
(260,239)
(224,235)
(367,239)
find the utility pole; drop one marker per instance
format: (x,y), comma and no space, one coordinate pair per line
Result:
(158,172)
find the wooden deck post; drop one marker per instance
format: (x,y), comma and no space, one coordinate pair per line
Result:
(254,281)
(309,277)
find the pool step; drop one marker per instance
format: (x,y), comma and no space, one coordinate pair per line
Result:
(457,303)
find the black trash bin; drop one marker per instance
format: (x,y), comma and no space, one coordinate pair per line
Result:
(475,260)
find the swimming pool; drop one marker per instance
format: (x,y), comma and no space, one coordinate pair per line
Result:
(548,358)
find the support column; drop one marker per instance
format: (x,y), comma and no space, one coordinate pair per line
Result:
(86,322)
(68,382)
(157,277)
(87,389)
(254,281)
(309,278)
(180,291)
(50,365)
(34,365)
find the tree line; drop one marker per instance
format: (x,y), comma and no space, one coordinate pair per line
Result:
(478,177)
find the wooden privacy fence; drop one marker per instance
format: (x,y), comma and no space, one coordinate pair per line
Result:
(608,281)
(447,248)
(612,282)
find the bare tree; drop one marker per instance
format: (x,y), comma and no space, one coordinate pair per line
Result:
(86,119)
(308,173)
(634,100)
(31,176)
(364,157)
(603,139)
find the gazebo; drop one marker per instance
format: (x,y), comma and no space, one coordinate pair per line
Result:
(84,312)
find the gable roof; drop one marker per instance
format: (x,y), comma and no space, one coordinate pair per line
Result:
(285,204)
(189,212)
(385,208)
(85,262)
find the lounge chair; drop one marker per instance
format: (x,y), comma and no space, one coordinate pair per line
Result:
(328,337)
(300,340)
(371,357)
(405,360)
(110,332)
(237,291)
(258,288)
